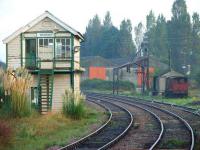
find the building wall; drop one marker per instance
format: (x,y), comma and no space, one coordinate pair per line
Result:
(46,25)
(76,54)
(14,53)
(61,83)
(77,81)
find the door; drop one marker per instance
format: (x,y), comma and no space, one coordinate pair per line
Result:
(30,60)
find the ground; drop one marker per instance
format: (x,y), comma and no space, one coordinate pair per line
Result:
(193,100)
(42,132)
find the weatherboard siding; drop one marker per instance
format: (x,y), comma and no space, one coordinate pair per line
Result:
(77,82)
(46,25)
(14,53)
(61,83)
(77,54)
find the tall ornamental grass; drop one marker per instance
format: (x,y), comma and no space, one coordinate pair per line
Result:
(73,104)
(16,84)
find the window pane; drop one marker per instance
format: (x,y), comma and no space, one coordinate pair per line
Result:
(50,40)
(63,42)
(45,42)
(67,48)
(57,40)
(41,42)
(67,41)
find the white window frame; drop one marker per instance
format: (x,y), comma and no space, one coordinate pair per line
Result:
(58,52)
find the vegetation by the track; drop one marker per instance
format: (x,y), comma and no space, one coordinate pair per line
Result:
(192,101)
(41,132)
(73,104)
(102,85)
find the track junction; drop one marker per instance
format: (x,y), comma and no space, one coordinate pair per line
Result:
(137,124)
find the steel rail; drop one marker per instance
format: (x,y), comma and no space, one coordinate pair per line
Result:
(74,144)
(159,121)
(183,108)
(166,111)
(124,132)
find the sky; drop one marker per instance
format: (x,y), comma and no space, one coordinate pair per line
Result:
(76,13)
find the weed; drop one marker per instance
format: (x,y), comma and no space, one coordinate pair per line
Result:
(15,84)
(5,134)
(73,104)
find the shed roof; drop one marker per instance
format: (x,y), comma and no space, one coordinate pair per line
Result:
(172,74)
(38,19)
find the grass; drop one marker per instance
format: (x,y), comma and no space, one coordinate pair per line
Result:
(187,102)
(41,132)
(73,104)
(103,85)
(16,84)
(173,143)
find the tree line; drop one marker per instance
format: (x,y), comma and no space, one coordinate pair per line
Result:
(177,38)
(106,40)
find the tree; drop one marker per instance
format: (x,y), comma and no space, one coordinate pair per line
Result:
(179,35)
(127,47)
(195,53)
(106,40)
(107,23)
(150,20)
(161,39)
(92,36)
(139,33)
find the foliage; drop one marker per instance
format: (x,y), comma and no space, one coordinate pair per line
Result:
(97,84)
(73,104)
(43,131)
(106,40)
(139,33)
(177,39)
(15,84)
(5,134)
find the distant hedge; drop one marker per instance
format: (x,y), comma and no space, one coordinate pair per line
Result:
(97,84)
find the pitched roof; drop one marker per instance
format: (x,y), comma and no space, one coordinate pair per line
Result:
(172,74)
(38,19)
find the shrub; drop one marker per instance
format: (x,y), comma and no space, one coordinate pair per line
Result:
(97,84)
(15,85)
(73,104)
(5,134)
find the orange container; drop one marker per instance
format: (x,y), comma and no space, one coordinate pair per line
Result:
(97,73)
(139,76)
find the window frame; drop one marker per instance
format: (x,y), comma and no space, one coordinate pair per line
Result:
(59,52)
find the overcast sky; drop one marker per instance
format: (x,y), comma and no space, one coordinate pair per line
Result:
(76,13)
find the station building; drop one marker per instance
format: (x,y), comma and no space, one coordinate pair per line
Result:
(50,50)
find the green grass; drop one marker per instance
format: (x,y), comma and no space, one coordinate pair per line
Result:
(40,132)
(187,102)
(173,143)
(103,85)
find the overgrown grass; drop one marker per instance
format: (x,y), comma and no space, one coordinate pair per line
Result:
(73,104)
(15,84)
(106,86)
(39,132)
(187,102)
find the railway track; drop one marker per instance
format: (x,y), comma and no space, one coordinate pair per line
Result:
(176,128)
(119,122)
(190,115)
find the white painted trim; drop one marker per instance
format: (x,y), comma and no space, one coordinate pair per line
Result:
(38,19)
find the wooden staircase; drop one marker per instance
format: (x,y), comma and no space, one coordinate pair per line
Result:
(45,92)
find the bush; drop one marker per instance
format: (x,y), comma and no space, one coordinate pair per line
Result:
(97,84)
(73,104)
(5,134)
(15,85)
